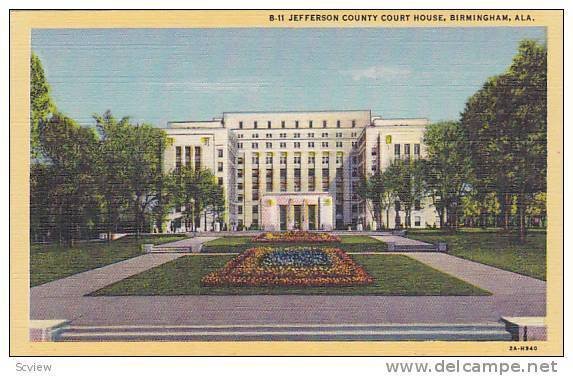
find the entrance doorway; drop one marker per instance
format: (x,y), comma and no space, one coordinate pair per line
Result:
(312,217)
(283,217)
(297,217)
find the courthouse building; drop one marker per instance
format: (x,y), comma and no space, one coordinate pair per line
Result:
(295,170)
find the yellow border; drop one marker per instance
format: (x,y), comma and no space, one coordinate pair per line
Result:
(21,23)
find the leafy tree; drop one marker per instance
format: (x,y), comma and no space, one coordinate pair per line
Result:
(65,179)
(131,173)
(196,191)
(404,179)
(446,169)
(41,105)
(377,195)
(505,124)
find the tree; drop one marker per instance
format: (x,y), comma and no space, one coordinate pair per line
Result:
(131,170)
(65,179)
(404,179)
(505,125)
(377,195)
(41,105)
(446,169)
(196,191)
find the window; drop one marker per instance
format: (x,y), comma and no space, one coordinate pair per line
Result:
(239,145)
(297,135)
(353,123)
(311,179)
(310,123)
(353,134)
(354,172)
(297,145)
(338,134)
(255,145)
(220,167)
(283,159)
(240,173)
(297,182)
(311,144)
(220,153)
(374,151)
(325,179)
(310,135)
(338,144)
(339,158)
(269,158)
(178,157)
(255,124)
(417,204)
(374,168)
(282,145)
(296,124)
(324,144)
(240,186)
(255,158)
(240,135)
(255,209)
(269,124)
(337,123)
(187,156)
(255,135)
(354,143)
(397,150)
(311,159)
(325,159)
(269,135)
(197,157)
(220,182)
(269,145)
(407,149)
(269,179)
(417,221)
(417,149)
(240,209)
(283,124)
(324,135)
(283,177)
(239,160)
(282,135)
(297,158)
(240,125)
(324,123)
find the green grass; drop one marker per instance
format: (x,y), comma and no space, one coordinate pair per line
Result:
(393,274)
(349,243)
(51,262)
(495,248)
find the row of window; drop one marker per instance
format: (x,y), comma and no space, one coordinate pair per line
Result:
(284,160)
(296,144)
(297,135)
(398,148)
(296,123)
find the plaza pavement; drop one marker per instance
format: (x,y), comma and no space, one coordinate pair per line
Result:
(513,295)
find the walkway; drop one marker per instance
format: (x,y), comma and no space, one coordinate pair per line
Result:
(190,244)
(398,240)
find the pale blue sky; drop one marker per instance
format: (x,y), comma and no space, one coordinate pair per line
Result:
(160,75)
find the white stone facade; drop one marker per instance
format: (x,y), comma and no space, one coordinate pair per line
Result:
(258,156)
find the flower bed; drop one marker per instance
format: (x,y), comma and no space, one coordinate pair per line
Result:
(292,266)
(296,237)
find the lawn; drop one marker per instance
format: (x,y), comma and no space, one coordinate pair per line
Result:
(349,243)
(495,248)
(51,262)
(393,274)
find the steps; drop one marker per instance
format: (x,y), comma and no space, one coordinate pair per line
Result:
(292,332)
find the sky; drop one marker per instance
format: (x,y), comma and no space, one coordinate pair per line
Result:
(161,75)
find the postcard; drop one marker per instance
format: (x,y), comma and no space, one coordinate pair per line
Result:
(287,182)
